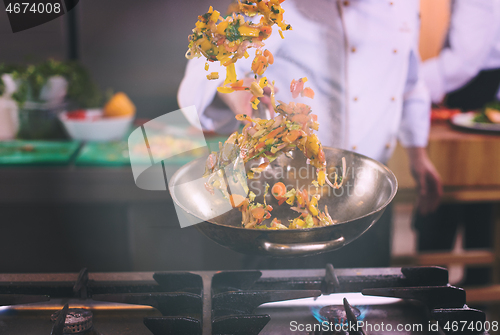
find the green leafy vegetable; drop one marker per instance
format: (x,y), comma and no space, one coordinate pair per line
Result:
(232,32)
(82,91)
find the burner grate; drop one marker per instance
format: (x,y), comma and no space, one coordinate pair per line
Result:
(223,302)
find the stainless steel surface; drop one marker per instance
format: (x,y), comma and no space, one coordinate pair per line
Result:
(368,188)
(299,248)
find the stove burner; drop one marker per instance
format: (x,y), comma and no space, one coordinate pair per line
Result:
(339,318)
(224,302)
(336,314)
(77,320)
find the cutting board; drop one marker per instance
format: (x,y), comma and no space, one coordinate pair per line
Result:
(20,152)
(117,154)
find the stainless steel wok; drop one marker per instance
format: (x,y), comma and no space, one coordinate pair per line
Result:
(368,188)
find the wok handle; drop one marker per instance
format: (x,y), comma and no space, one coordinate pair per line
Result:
(302,249)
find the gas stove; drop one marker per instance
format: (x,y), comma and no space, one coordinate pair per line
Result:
(414,300)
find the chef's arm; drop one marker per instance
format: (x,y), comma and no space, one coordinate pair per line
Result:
(429,185)
(472,32)
(197,90)
(216,110)
(414,133)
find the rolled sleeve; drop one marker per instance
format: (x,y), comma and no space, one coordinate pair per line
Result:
(473,31)
(433,78)
(196,90)
(415,120)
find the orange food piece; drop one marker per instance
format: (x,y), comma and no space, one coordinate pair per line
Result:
(278,190)
(258,213)
(272,134)
(291,136)
(296,87)
(243,117)
(266,30)
(321,155)
(260,145)
(300,118)
(259,65)
(269,55)
(305,197)
(119,105)
(307,92)
(263,165)
(493,115)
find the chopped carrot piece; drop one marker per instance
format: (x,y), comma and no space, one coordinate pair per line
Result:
(307,92)
(260,145)
(263,165)
(300,118)
(279,190)
(272,134)
(243,117)
(269,55)
(258,213)
(291,136)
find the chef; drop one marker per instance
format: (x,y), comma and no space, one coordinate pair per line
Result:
(465,75)
(361,60)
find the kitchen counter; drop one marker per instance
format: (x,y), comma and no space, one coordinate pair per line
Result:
(469,165)
(468,162)
(72,184)
(62,218)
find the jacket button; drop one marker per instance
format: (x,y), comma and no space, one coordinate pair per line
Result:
(354,147)
(355,99)
(346,3)
(388,145)
(353,49)
(395,51)
(393,98)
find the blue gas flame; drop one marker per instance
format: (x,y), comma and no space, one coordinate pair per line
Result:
(363,309)
(6,310)
(315,312)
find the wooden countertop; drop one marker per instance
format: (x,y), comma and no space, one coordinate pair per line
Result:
(469,163)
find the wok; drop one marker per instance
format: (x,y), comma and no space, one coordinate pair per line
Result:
(368,188)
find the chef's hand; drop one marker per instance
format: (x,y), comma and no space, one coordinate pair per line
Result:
(428,180)
(239,101)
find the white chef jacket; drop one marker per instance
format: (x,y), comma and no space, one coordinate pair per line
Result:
(473,45)
(360,58)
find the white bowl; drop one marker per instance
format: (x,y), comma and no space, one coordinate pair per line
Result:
(94,127)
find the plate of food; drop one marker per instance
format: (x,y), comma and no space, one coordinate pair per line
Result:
(110,123)
(487,119)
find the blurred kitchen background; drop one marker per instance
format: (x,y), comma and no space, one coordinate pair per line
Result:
(62,217)
(59,218)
